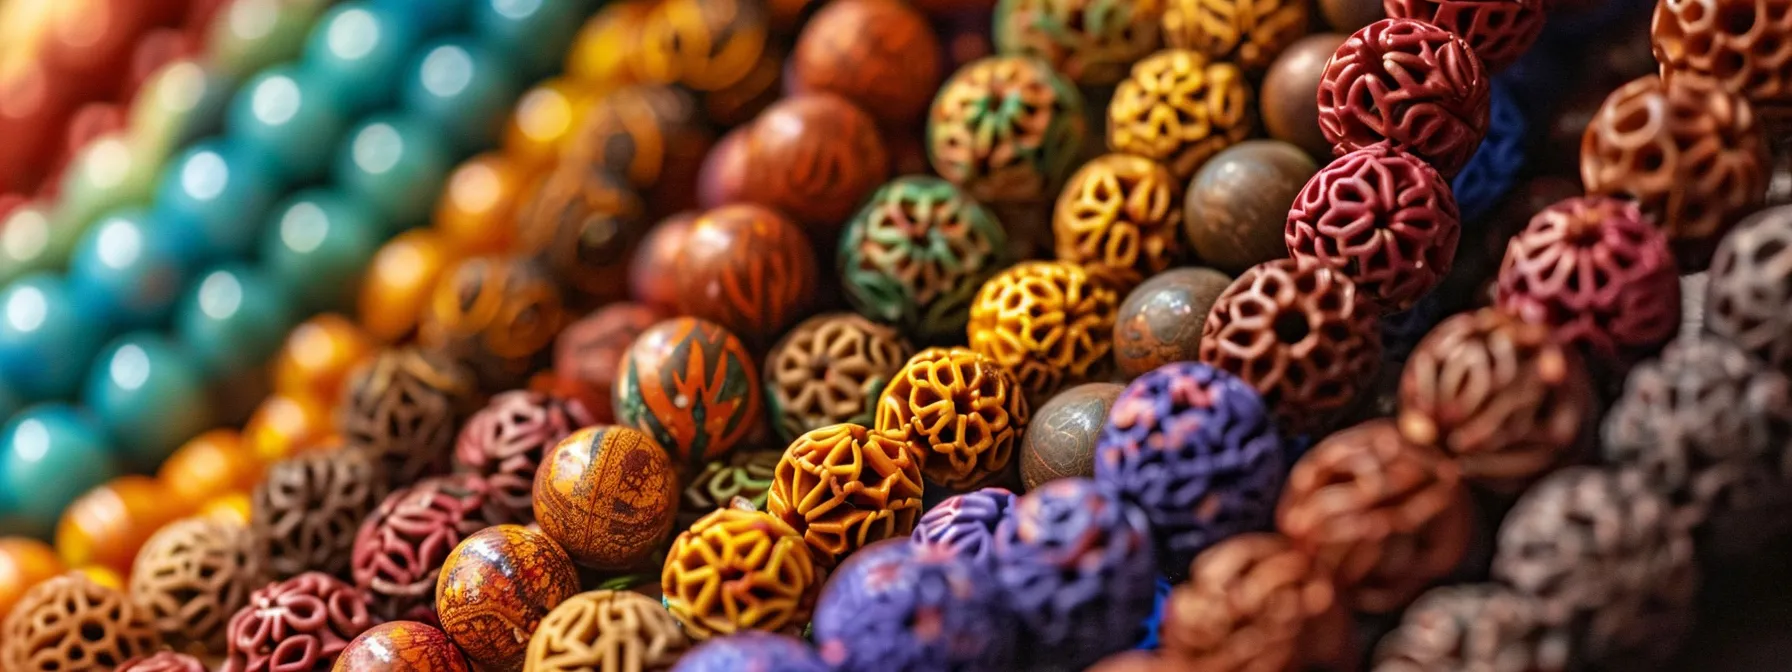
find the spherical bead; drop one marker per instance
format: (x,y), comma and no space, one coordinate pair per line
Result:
(1499,32)
(1237,204)
(878,54)
(1090,52)
(399,282)
(1297,332)
(505,442)
(815,156)
(746,474)
(1502,397)
(108,524)
(150,394)
(750,650)
(588,353)
(844,486)
(204,194)
(1195,450)
(1180,109)
(301,623)
(1118,217)
(1051,323)
(1006,129)
(476,214)
(1384,219)
(895,606)
(594,61)
(404,406)
(166,661)
(607,630)
(1747,294)
(494,315)
(692,387)
(360,50)
(282,426)
(287,114)
(966,523)
(710,47)
(1250,33)
(1060,440)
(1384,515)
(1255,602)
(769,577)
(916,255)
(1410,83)
(1160,321)
(651,136)
(49,455)
(127,273)
(462,88)
(582,224)
(1477,626)
(1289,95)
(1494,169)
(24,563)
(210,465)
(71,623)
(960,411)
(1598,274)
(1077,566)
(318,356)
(748,269)
(399,549)
(233,319)
(397,164)
(828,370)
(308,508)
(607,495)
(652,276)
(1731,41)
(401,646)
(47,339)
(1688,152)
(495,589)
(191,577)
(722,179)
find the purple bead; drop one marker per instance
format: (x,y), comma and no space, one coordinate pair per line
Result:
(904,607)
(1076,565)
(966,523)
(1194,448)
(751,651)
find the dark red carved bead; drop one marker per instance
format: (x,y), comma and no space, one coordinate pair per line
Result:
(504,443)
(400,549)
(302,623)
(1408,82)
(1499,31)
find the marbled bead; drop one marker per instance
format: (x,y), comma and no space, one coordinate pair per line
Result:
(150,394)
(46,337)
(462,88)
(126,271)
(477,211)
(316,244)
(287,115)
(233,319)
(49,455)
(397,164)
(360,49)
(212,197)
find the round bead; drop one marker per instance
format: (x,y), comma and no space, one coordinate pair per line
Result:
(1290,99)
(496,587)
(126,271)
(304,623)
(52,454)
(400,548)
(916,255)
(829,370)
(1160,321)
(878,54)
(360,50)
(651,136)
(1180,109)
(150,395)
(1051,323)
(47,339)
(307,509)
(692,387)
(723,177)
(752,650)
(405,406)
(1060,441)
(1250,33)
(462,88)
(166,661)
(108,524)
(1471,626)
(191,576)
(396,164)
(1729,40)
(607,629)
(815,156)
(1006,129)
(902,607)
(69,622)
(1066,35)
(1746,298)
(607,495)
(748,269)
(703,45)
(594,61)
(1119,217)
(652,275)
(1499,32)
(495,315)
(531,34)
(232,508)
(314,241)
(431,16)
(24,563)
(582,225)
(1435,107)
(211,465)
(401,646)
(505,443)
(399,282)
(233,319)
(746,475)
(283,426)
(844,486)
(287,115)
(960,411)
(966,523)
(318,356)
(1254,600)
(478,208)
(28,242)
(588,353)
(212,199)
(736,570)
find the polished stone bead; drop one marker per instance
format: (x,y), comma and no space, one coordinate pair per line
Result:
(150,395)
(317,243)
(127,271)
(400,281)
(172,109)
(534,33)
(46,337)
(249,35)
(111,172)
(543,122)
(477,213)
(213,198)
(232,319)
(434,16)
(286,115)
(360,50)
(396,164)
(30,242)
(462,88)
(49,455)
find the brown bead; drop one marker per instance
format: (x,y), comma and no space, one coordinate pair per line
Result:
(828,370)
(1119,217)
(1237,204)
(589,352)
(495,315)
(652,274)
(1290,97)
(71,624)
(1739,43)
(191,576)
(1348,16)
(723,178)
(878,54)
(1254,602)
(1179,108)
(495,589)
(1160,321)
(1050,322)
(845,486)
(607,630)
(1499,32)
(1408,83)
(607,495)
(305,514)
(748,269)
(1384,515)
(1473,627)
(960,411)
(1250,33)
(405,406)
(814,156)
(1060,437)
(583,224)
(653,137)
(1751,286)
(401,646)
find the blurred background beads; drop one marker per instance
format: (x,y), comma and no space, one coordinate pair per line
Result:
(304,622)
(830,369)
(360,49)
(1250,33)
(463,88)
(1289,95)
(150,394)
(1160,321)
(746,474)
(166,661)
(24,563)
(582,223)
(70,623)
(495,316)
(960,412)
(605,629)
(1090,41)
(402,646)
(1495,168)
(400,547)
(748,269)
(504,445)
(1700,36)
(719,49)
(897,606)
(124,270)
(845,486)
(966,523)
(316,244)
(396,164)
(752,649)
(1119,217)
(317,357)
(53,454)
(191,577)
(651,136)
(1050,322)
(917,253)
(308,508)
(496,587)
(588,353)
(1748,290)
(652,280)
(1061,436)
(607,495)
(46,337)
(399,282)
(232,319)
(1253,601)
(878,54)
(1361,103)
(772,580)
(815,156)
(1460,627)
(404,406)
(1006,129)
(477,210)
(1237,204)
(211,465)
(1499,33)
(287,114)
(107,525)
(1179,108)
(690,385)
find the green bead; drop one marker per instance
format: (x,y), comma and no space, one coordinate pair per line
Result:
(461,88)
(233,320)
(127,271)
(249,35)
(150,396)
(396,164)
(284,115)
(317,245)
(175,107)
(917,254)
(213,197)
(47,337)
(359,52)
(49,455)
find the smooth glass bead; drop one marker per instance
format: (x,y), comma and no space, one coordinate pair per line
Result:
(31,242)
(400,280)
(108,174)
(176,105)
(285,115)
(544,121)
(23,563)
(233,319)
(213,199)
(47,338)
(433,16)
(318,356)
(253,34)
(126,270)
(209,466)
(317,245)
(359,51)
(462,88)
(477,213)
(284,426)
(150,395)
(533,33)
(107,526)
(397,165)
(49,455)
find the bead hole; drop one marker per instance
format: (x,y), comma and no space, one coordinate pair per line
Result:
(1291,328)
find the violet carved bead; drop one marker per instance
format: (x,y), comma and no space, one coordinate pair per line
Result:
(504,443)
(1195,449)
(752,651)
(1383,217)
(966,523)
(1410,83)
(902,607)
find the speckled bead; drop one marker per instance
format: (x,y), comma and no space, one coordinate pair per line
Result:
(1060,439)
(1160,321)
(902,607)
(494,589)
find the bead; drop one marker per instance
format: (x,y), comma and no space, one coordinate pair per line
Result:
(588,353)
(583,225)
(692,387)
(253,34)
(902,607)
(829,370)
(1255,602)
(1746,298)
(212,199)
(232,508)
(1006,129)
(400,548)
(542,122)
(150,394)
(314,241)
(401,646)
(396,164)
(71,623)
(170,110)
(286,114)
(606,629)
(432,16)
(495,589)
(1090,41)
(462,89)
(815,156)
(1494,169)
(1051,323)
(752,649)
(530,33)
(745,474)
(166,661)
(190,577)
(304,623)
(651,136)
(24,563)
(607,495)
(916,255)
(46,338)
(494,315)
(116,171)
(1289,95)
(748,269)
(710,47)
(209,466)
(845,486)
(652,278)
(1464,627)
(1160,321)
(1383,218)
(478,208)
(1118,217)
(233,319)
(1250,33)
(960,411)
(966,523)
(360,51)
(53,453)
(600,53)
(282,426)
(723,176)
(318,356)
(405,405)
(29,243)
(769,577)
(1361,102)
(1347,16)
(505,443)
(1499,32)
(1180,109)
(123,269)
(106,526)
(878,54)
(308,508)
(400,281)
(1060,442)
(1730,40)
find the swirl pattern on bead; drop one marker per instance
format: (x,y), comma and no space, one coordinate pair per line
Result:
(747,268)
(815,156)
(1410,83)
(494,315)
(692,387)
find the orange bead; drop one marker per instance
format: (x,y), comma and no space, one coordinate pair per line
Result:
(318,356)
(103,576)
(543,120)
(233,508)
(399,282)
(598,58)
(477,211)
(106,526)
(212,464)
(23,563)
(284,426)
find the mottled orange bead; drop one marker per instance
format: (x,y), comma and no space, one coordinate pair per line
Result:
(748,269)
(879,54)
(399,282)
(494,589)
(23,564)
(607,495)
(815,157)
(401,646)
(284,426)
(209,466)
(477,210)
(106,526)
(317,356)
(543,119)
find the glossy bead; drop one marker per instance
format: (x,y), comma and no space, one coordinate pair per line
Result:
(1067,35)
(360,49)
(582,224)
(47,339)
(462,88)
(315,244)
(532,34)
(115,171)
(401,646)
(493,314)
(1178,108)
(692,386)
(478,205)
(24,563)
(250,35)
(233,319)
(317,357)
(285,114)
(723,177)
(211,465)
(1289,95)
(543,120)
(505,442)
(282,426)
(171,109)
(495,588)
(399,282)
(126,269)
(607,495)
(599,55)
(1237,204)
(30,241)
(53,453)
(1006,129)
(651,276)
(150,394)
(1062,442)
(107,525)
(653,137)
(748,269)
(1160,321)
(1444,77)
(588,353)
(432,16)
(878,54)
(212,199)
(397,165)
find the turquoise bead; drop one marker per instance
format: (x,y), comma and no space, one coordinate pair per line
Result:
(233,319)
(127,271)
(534,34)
(396,164)
(51,454)
(463,89)
(46,337)
(317,245)
(358,52)
(151,397)
(434,16)
(284,115)
(213,199)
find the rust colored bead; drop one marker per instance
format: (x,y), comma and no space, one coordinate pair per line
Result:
(1739,43)
(107,525)
(737,570)
(1598,274)
(1051,323)
(306,512)
(652,272)
(845,486)
(477,209)
(651,136)
(747,474)
(1250,33)
(583,224)
(400,548)
(1119,217)
(24,563)
(1254,602)
(879,54)
(1297,332)
(1472,627)
(723,178)
(504,444)
(1006,129)
(1060,438)
(399,282)
(748,269)
(814,156)
(401,646)
(1290,93)
(607,495)
(1410,83)
(494,315)
(544,120)
(692,387)
(166,661)
(495,588)
(1384,515)
(405,406)
(1090,41)
(1690,153)
(71,624)
(1502,397)
(211,465)
(1751,286)
(318,356)
(282,426)
(1384,219)
(960,411)
(588,353)
(1237,203)
(1180,109)
(607,630)
(828,370)
(1160,321)
(302,623)
(1499,32)
(191,577)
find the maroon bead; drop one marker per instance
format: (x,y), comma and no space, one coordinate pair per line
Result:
(301,623)
(1384,218)
(589,353)
(1500,32)
(504,443)
(400,549)
(166,661)
(1408,82)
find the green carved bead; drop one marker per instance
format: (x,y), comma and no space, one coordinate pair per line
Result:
(1093,42)
(916,255)
(1008,129)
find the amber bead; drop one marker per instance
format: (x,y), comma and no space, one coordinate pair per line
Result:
(405,406)
(1160,321)
(233,508)
(477,210)
(1068,35)
(283,426)
(107,525)
(719,48)
(1476,626)
(814,156)
(191,577)
(399,281)
(542,123)
(1006,129)
(305,513)
(71,624)
(608,630)
(1290,98)
(828,370)
(607,495)
(588,353)
(1250,33)
(599,57)
(1749,289)
(495,588)
(1051,323)
(1060,437)
(582,224)
(845,486)
(318,356)
(494,315)
(24,563)
(1180,109)
(210,465)
(1254,602)
(692,387)
(1737,42)
(960,411)
(1237,204)
(737,570)
(1119,217)
(402,646)
(879,54)
(748,269)
(652,137)
(652,271)
(1409,83)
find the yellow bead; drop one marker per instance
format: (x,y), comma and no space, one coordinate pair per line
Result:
(598,56)
(284,426)
(103,576)
(23,563)
(318,356)
(211,464)
(477,213)
(545,117)
(231,508)
(106,526)
(399,282)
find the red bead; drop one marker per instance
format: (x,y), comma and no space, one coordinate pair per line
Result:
(1408,82)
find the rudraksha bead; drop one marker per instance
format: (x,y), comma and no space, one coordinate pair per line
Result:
(1250,33)
(1253,602)
(692,387)
(1410,83)
(166,661)
(653,137)
(1289,96)
(607,495)
(902,607)
(1050,322)
(879,54)
(1598,274)
(1089,52)
(1296,331)
(1077,567)
(1381,217)
(71,624)
(966,523)
(306,512)
(404,406)
(916,255)
(845,486)
(737,570)
(496,587)
(1160,321)
(1739,43)
(746,474)
(1119,217)
(588,353)
(583,224)
(399,550)
(815,156)
(302,623)
(1499,32)
(1386,516)
(748,269)
(191,576)
(1502,397)
(503,445)
(828,370)
(1473,627)
(402,646)
(1690,153)
(1237,205)
(752,650)
(607,630)
(961,413)
(1750,287)
(1490,174)
(493,315)
(1179,109)
(1196,451)
(1060,438)
(1600,552)
(1006,129)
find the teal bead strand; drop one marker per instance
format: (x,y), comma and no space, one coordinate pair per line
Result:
(150,395)
(317,246)
(233,320)
(127,270)
(396,164)
(463,89)
(285,115)
(213,199)
(46,337)
(534,34)
(358,50)
(49,455)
